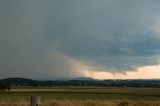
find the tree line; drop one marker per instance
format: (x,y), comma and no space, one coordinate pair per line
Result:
(5,84)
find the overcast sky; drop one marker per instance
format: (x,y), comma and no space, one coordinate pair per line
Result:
(50,39)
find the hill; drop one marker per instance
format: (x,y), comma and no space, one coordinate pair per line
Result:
(82,81)
(19,81)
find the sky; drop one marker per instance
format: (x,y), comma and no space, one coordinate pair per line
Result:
(102,39)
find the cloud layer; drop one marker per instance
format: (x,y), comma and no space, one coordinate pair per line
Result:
(49,39)
(115,35)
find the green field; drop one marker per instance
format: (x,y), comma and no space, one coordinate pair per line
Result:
(83,96)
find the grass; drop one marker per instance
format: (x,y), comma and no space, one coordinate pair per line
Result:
(87,103)
(83,96)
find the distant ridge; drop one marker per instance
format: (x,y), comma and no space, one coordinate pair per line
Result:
(18,81)
(82,81)
(78,78)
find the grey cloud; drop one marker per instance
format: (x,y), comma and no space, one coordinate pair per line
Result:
(113,35)
(23,44)
(43,38)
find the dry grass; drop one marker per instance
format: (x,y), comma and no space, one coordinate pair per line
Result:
(83,96)
(87,103)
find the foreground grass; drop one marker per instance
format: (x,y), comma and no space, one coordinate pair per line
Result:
(83,96)
(87,103)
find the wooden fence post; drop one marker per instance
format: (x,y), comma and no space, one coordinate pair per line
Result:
(35,101)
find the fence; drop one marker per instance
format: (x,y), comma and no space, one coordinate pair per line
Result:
(35,101)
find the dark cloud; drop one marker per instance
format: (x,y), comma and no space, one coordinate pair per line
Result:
(111,35)
(43,39)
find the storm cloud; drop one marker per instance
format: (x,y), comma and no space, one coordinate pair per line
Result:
(45,39)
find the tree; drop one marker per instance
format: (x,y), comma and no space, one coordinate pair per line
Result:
(4,87)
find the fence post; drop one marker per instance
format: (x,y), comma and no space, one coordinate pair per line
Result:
(35,101)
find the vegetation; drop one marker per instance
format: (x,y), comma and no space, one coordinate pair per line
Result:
(80,92)
(4,87)
(87,103)
(82,96)
(81,82)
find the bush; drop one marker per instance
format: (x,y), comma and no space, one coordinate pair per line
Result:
(4,87)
